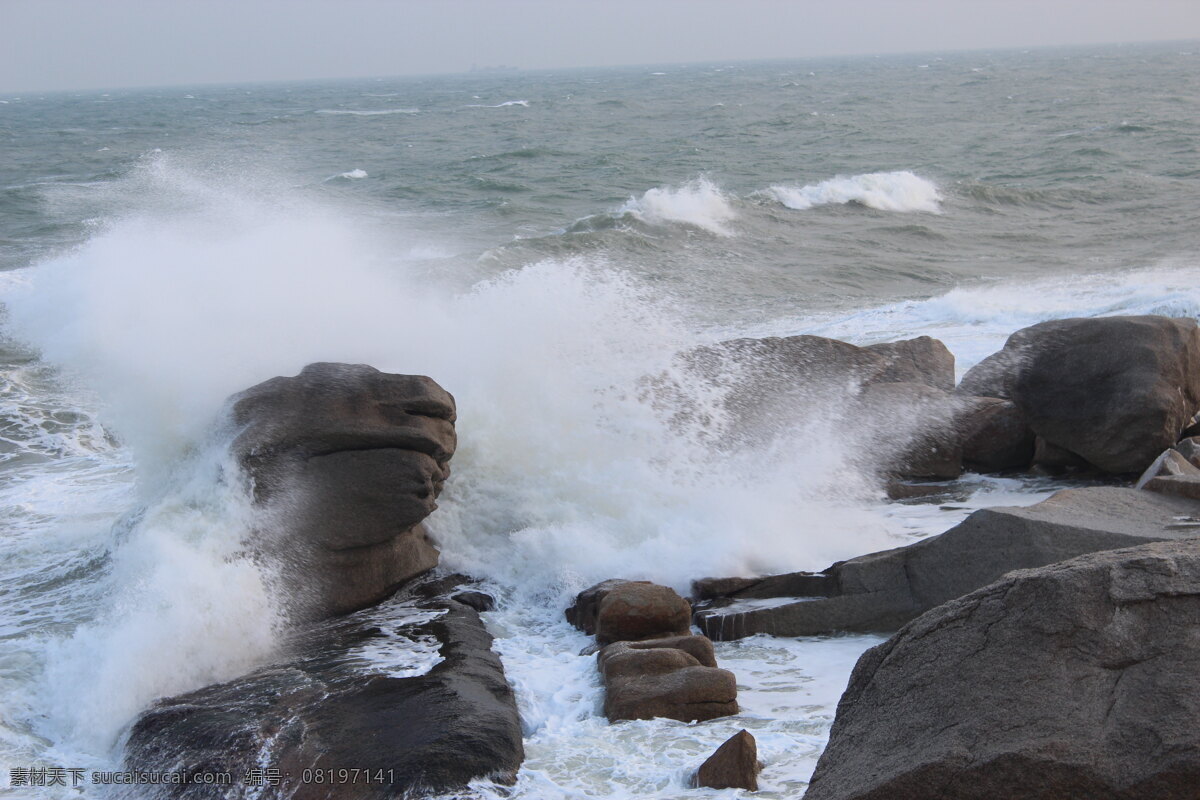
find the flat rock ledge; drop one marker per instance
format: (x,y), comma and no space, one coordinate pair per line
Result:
(327,708)
(1075,680)
(883,591)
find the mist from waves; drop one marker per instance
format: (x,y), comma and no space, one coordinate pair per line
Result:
(567,473)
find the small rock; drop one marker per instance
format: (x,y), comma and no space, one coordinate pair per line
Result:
(1189,448)
(476,600)
(733,766)
(1170,463)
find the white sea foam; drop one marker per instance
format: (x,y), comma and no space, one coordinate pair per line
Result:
(184,607)
(505,104)
(884,191)
(354,174)
(565,472)
(699,203)
(974,320)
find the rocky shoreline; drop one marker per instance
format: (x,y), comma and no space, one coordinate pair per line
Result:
(1038,652)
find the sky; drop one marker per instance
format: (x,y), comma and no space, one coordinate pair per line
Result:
(82,44)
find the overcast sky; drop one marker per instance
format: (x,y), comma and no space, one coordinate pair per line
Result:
(77,44)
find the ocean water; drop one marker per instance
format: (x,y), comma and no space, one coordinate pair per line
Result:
(538,243)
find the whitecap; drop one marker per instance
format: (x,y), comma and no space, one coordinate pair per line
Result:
(379,112)
(883,191)
(699,203)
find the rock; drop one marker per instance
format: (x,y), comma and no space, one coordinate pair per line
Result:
(882,591)
(1193,428)
(1056,459)
(618,661)
(1115,391)
(1075,680)
(641,610)
(346,461)
(995,436)
(1178,486)
(921,360)
(792,584)
(733,766)
(898,490)
(1171,462)
(698,647)
(476,600)
(688,694)
(1190,449)
(914,434)
(582,613)
(321,708)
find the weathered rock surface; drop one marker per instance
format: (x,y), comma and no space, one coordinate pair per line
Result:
(1115,391)
(641,610)
(583,612)
(733,766)
(346,461)
(995,435)
(920,360)
(324,708)
(668,687)
(1189,448)
(1076,680)
(1171,462)
(882,591)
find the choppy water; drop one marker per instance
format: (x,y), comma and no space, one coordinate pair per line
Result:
(537,243)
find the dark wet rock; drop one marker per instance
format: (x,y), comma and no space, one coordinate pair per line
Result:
(733,766)
(1115,391)
(479,601)
(913,431)
(323,708)
(791,584)
(689,693)
(640,610)
(437,584)
(995,435)
(1076,680)
(882,591)
(346,462)
(1056,460)
(1193,428)
(582,613)
(920,360)
(1171,462)
(900,490)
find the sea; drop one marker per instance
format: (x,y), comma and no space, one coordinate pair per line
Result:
(539,243)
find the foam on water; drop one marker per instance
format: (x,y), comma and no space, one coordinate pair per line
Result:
(699,203)
(569,470)
(884,191)
(975,320)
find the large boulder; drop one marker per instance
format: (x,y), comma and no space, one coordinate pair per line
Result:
(882,591)
(344,698)
(649,682)
(1115,391)
(1076,680)
(583,611)
(995,435)
(641,610)
(346,461)
(920,360)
